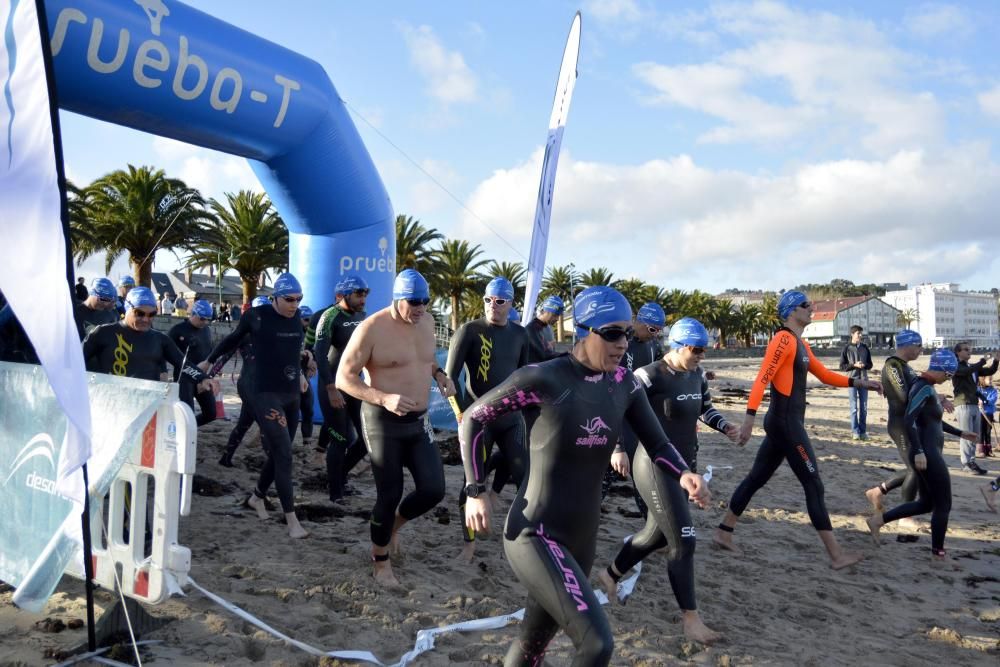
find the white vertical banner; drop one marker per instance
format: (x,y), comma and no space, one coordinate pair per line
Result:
(546,187)
(33,255)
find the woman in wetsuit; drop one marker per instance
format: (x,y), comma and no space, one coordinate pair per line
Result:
(551,531)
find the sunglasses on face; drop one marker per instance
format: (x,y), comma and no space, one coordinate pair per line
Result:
(105,299)
(361,292)
(653,330)
(805,304)
(949,375)
(612,334)
(418,302)
(143,314)
(696,349)
(494,300)
(291,299)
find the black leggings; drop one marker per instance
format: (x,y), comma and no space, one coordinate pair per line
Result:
(340,438)
(508,434)
(559,596)
(907,478)
(669,517)
(277,416)
(206,401)
(306,408)
(935,497)
(396,442)
(243,424)
(790,445)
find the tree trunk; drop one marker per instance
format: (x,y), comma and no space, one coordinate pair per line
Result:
(249,288)
(453,300)
(143,274)
(559,330)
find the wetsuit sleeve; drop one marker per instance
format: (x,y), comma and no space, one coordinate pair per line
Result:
(894,382)
(950,430)
(457,351)
(913,408)
(313,327)
(712,417)
(229,344)
(525,386)
(641,418)
(175,358)
(523,359)
(91,348)
(824,374)
(779,352)
(322,337)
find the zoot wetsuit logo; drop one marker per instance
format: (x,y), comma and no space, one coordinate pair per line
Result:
(122,352)
(485,354)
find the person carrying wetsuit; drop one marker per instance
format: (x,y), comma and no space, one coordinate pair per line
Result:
(787,363)
(340,435)
(678,393)
(489,350)
(97,309)
(551,531)
(193,338)
(243,386)
(275,331)
(925,431)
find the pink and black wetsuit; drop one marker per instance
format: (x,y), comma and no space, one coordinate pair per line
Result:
(551,530)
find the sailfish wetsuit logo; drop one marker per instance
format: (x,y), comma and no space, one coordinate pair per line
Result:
(120,367)
(570,582)
(485,354)
(593,429)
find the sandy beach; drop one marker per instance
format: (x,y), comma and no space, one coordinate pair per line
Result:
(779,604)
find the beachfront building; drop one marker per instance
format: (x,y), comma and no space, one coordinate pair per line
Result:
(832,321)
(945,315)
(202,286)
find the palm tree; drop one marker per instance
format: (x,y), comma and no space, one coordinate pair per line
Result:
(634,290)
(560,281)
(719,315)
(598,276)
(139,211)
(414,244)
(81,233)
(248,237)
(907,317)
(455,272)
(512,271)
(770,322)
(747,322)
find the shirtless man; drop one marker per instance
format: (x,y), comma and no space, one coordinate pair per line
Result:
(396,348)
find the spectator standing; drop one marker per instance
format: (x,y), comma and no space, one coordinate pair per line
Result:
(80,291)
(180,306)
(856,359)
(967,401)
(167,306)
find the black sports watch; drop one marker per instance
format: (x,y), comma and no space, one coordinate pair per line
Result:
(474,490)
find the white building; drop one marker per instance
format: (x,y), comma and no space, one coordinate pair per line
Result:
(946,316)
(832,321)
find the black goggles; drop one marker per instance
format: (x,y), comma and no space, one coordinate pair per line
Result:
(417,302)
(612,334)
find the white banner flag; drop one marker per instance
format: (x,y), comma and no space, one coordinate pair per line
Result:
(543,208)
(33,256)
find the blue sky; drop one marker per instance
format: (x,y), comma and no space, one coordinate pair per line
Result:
(709,145)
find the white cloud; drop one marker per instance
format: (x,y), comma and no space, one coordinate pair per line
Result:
(613,10)
(932,20)
(449,79)
(211,172)
(989,101)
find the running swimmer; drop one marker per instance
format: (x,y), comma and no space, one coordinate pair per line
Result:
(787,363)
(925,431)
(340,435)
(194,339)
(489,350)
(275,392)
(396,346)
(551,530)
(679,395)
(97,309)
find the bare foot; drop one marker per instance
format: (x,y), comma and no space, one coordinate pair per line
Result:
(874,526)
(295,529)
(990,496)
(845,559)
(395,546)
(383,575)
(696,630)
(609,585)
(258,504)
(944,562)
(874,496)
(725,540)
(468,552)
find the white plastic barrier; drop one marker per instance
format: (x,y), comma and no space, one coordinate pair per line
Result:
(140,547)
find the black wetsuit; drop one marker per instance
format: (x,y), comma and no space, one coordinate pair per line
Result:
(120,350)
(679,399)
(489,354)
(340,435)
(88,319)
(195,343)
(246,418)
(551,530)
(273,392)
(897,378)
(925,431)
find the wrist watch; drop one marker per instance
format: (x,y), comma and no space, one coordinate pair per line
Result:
(474,490)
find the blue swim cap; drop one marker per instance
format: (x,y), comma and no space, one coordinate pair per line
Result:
(501,288)
(286,284)
(140,296)
(127,281)
(305,312)
(789,301)
(688,331)
(943,359)
(908,337)
(552,304)
(651,314)
(351,284)
(597,306)
(514,316)
(260,301)
(202,308)
(103,288)
(409,284)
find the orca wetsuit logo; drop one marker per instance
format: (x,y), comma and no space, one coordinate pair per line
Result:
(593,429)
(40,445)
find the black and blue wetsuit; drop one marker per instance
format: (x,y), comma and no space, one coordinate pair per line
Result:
(897,378)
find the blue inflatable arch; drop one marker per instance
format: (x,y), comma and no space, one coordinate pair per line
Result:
(165,68)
